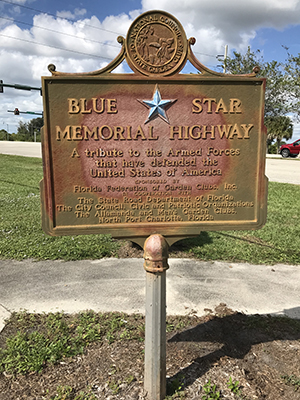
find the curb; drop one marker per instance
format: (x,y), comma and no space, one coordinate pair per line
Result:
(4,315)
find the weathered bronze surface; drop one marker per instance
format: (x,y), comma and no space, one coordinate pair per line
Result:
(156,44)
(154,151)
(156,254)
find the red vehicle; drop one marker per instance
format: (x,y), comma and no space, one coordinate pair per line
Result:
(291,149)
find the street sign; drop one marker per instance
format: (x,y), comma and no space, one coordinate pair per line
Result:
(156,150)
(16,111)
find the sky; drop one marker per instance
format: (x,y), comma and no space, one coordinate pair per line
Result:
(80,36)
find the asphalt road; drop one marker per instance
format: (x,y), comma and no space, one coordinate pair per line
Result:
(283,170)
(278,169)
(26,149)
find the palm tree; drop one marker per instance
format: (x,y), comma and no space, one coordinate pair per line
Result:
(279,127)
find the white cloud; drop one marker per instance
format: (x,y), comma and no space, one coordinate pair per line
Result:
(65,14)
(78,12)
(24,59)
(20,1)
(232,22)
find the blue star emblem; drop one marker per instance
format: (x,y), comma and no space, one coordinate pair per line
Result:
(157,106)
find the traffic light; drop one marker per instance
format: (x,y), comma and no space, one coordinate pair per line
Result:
(16,111)
(1,86)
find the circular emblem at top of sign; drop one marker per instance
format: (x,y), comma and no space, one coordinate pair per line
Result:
(156,44)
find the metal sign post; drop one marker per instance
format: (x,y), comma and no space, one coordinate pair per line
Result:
(156,264)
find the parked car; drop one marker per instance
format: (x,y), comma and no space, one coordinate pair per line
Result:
(290,149)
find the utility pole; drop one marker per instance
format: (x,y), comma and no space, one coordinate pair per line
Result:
(224,58)
(7,133)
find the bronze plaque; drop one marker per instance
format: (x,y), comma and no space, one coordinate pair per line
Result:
(156,44)
(153,151)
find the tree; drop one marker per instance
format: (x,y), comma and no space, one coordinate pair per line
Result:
(28,131)
(278,101)
(276,96)
(4,135)
(244,64)
(35,126)
(23,135)
(292,69)
(279,127)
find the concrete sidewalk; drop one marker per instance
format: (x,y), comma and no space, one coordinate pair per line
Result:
(119,285)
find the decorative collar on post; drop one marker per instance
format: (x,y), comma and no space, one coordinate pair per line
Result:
(156,254)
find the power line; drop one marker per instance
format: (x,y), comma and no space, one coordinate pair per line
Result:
(72,21)
(203,54)
(78,37)
(61,33)
(55,47)
(53,15)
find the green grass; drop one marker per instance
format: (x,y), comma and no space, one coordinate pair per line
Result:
(292,380)
(210,391)
(277,242)
(43,339)
(67,393)
(21,235)
(32,342)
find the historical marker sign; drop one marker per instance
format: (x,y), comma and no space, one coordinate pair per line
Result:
(154,151)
